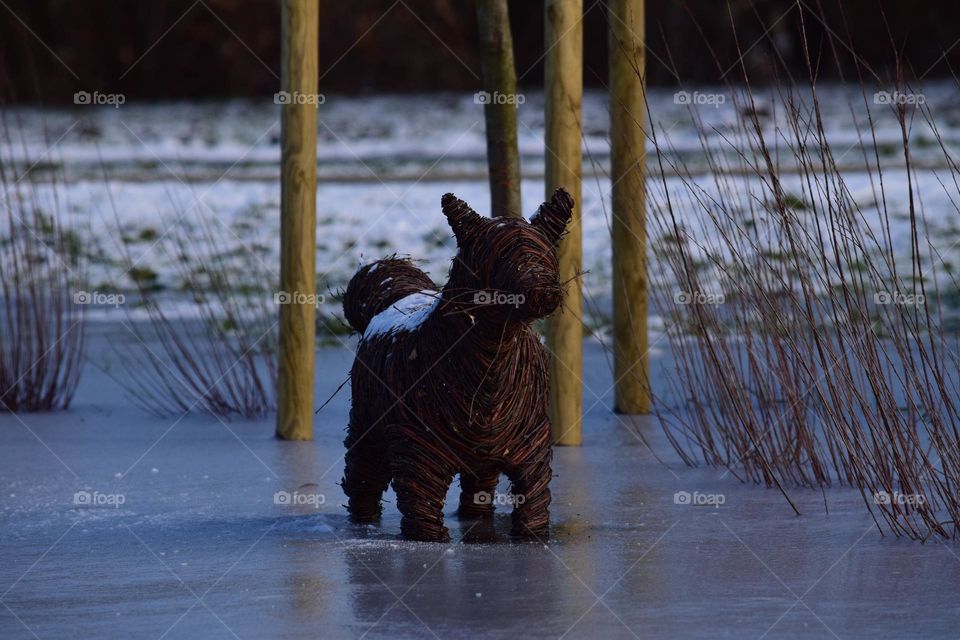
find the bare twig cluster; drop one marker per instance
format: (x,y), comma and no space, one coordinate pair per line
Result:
(42,334)
(808,316)
(221,356)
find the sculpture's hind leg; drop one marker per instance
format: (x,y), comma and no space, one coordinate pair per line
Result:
(367,472)
(421,477)
(478,488)
(531,491)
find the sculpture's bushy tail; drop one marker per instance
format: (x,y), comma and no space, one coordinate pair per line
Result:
(378,285)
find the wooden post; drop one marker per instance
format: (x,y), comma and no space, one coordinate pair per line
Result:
(563,77)
(500,100)
(627,172)
(298,214)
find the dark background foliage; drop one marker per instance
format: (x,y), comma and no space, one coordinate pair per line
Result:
(211,48)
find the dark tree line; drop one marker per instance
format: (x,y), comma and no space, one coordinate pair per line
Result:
(186,49)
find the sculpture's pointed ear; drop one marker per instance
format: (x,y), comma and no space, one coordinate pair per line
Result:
(460,216)
(553,216)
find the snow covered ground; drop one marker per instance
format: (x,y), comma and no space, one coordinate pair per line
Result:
(115,524)
(380,129)
(145,186)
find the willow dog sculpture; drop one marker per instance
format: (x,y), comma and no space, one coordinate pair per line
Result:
(455,381)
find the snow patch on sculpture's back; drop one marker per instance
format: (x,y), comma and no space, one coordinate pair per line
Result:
(404,315)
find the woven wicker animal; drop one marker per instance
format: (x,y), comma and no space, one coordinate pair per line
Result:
(455,381)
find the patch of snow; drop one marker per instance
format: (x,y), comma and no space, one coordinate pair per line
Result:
(406,314)
(205,141)
(415,128)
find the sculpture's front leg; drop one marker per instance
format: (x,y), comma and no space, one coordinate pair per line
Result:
(478,488)
(421,477)
(530,488)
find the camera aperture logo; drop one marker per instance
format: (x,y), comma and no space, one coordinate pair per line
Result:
(514,300)
(97,499)
(911,499)
(699,99)
(698,297)
(297,297)
(485,97)
(99,99)
(286,97)
(298,499)
(99,299)
(697,499)
(499,499)
(899,298)
(899,98)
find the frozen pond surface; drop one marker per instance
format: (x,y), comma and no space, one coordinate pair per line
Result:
(199,548)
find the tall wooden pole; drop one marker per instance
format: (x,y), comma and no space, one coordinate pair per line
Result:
(298,215)
(500,100)
(564,97)
(627,164)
